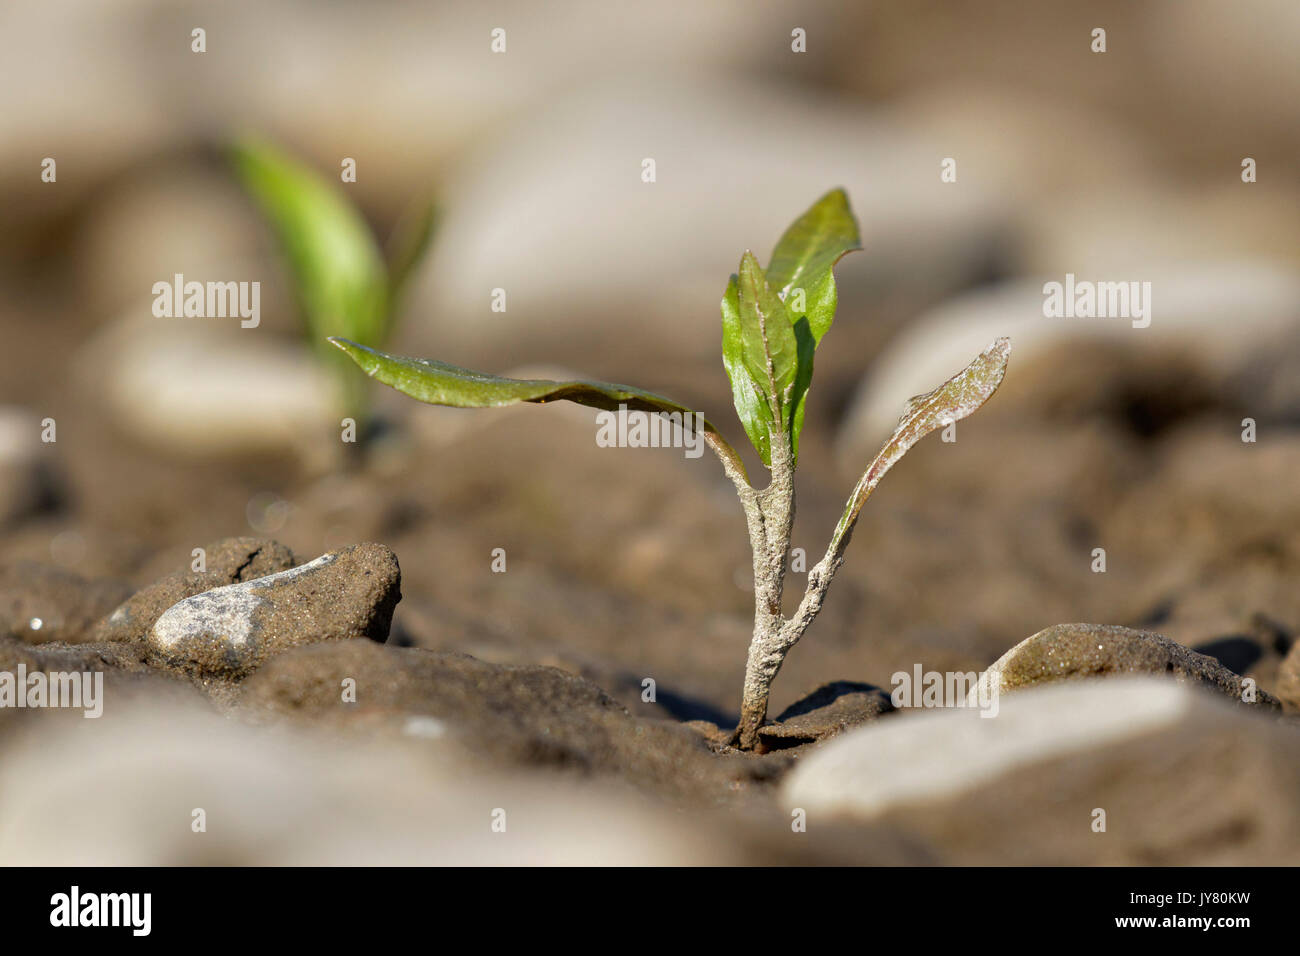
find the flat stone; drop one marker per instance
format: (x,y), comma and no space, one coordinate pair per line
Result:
(1172,774)
(229,631)
(228,561)
(1071,651)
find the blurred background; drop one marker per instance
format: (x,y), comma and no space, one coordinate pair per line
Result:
(1121,166)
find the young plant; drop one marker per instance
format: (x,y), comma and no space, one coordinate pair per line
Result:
(343,283)
(772,322)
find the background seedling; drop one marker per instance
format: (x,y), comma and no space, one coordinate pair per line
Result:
(343,283)
(772,323)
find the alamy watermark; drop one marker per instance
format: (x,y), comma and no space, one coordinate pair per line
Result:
(133,911)
(208,300)
(1085,299)
(40,689)
(631,428)
(919,688)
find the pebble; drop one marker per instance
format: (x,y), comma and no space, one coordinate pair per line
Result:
(1071,651)
(229,631)
(1130,771)
(228,561)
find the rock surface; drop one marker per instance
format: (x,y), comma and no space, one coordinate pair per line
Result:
(1069,651)
(41,603)
(296,797)
(526,715)
(228,561)
(1180,776)
(229,631)
(127,675)
(829,710)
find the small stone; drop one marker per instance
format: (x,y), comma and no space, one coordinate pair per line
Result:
(228,561)
(1129,771)
(1067,651)
(229,631)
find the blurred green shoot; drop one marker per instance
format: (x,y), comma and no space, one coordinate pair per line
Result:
(344,285)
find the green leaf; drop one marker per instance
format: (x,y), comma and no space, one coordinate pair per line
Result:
(769,349)
(754,413)
(803,379)
(439,383)
(804,257)
(341,280)
(801,279)
(960,396)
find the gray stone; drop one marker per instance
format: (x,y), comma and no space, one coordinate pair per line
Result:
(1127,771)
(230,631)
(1069,651)
(228,561)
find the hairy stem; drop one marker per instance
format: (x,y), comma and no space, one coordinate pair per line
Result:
(770,515)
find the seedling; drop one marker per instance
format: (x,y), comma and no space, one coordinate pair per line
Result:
(772,322)
(343,283)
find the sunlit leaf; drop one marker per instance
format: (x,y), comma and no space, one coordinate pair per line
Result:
(439,383)
(800,278)
(770,350)
(804,257)
(754,413)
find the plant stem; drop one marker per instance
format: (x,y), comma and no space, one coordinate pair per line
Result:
(770,515)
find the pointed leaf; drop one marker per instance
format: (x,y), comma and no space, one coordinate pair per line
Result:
(754,413)
(804,256)
(952,401)
(770,351)
(439,383)
(340,276)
